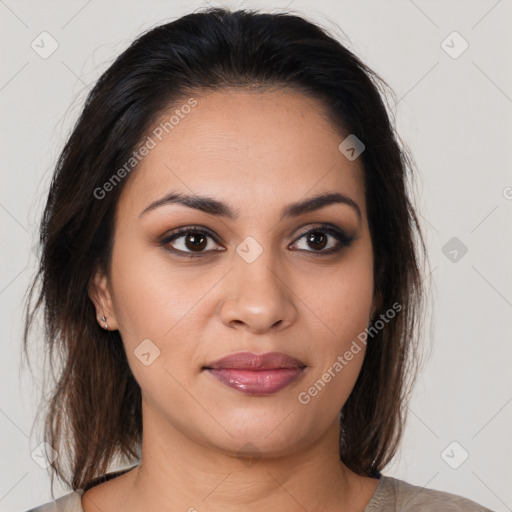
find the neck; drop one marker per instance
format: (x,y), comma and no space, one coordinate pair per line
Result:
(177,473)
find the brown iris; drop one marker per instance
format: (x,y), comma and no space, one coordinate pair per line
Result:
(317,240)
(196,241)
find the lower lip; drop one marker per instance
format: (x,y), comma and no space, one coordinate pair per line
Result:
(256,382)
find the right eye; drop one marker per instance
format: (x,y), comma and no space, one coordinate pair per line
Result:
(192,242)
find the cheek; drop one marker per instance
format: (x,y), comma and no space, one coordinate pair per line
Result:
(150,303)
(342,296)
(342,302)
(159,301)
(150,295)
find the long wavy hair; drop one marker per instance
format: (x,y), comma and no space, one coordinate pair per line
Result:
(92,415)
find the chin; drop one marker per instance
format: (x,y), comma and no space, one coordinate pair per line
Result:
(273,434)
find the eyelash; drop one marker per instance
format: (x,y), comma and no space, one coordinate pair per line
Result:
(343,239)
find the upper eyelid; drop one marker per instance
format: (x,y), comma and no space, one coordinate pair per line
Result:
(179,232)
(327,226)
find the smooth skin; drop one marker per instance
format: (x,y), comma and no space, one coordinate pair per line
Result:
(206,446)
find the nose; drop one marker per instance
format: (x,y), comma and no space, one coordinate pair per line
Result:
(258,298)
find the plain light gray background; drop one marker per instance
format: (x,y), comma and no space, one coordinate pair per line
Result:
(454,111)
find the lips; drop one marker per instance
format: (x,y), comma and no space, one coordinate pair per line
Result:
(257,374)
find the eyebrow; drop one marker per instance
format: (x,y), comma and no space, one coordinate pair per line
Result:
(215,207)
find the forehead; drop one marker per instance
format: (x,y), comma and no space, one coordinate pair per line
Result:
(264,148)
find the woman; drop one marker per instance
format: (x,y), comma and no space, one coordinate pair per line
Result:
(231,279)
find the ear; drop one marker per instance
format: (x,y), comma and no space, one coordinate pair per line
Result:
(100,295)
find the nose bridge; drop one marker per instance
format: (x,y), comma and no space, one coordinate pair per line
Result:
(257,271)
(258,295)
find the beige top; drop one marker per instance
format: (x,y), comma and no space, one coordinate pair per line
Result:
(390,495)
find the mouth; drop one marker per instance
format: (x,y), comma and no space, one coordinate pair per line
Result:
(256,374)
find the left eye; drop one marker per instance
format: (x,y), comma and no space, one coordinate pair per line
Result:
(325,240)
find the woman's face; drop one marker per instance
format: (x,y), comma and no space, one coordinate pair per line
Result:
(266,276)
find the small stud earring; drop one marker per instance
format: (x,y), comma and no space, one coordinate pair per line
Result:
(103,319)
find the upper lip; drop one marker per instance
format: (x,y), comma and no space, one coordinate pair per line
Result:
(251,361)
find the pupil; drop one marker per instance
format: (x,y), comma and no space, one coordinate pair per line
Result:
(197,241)
(317,238)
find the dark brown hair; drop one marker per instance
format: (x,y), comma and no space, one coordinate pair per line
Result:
(94,411)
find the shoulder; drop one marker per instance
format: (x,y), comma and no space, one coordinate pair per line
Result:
(394,494)
(71,502)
